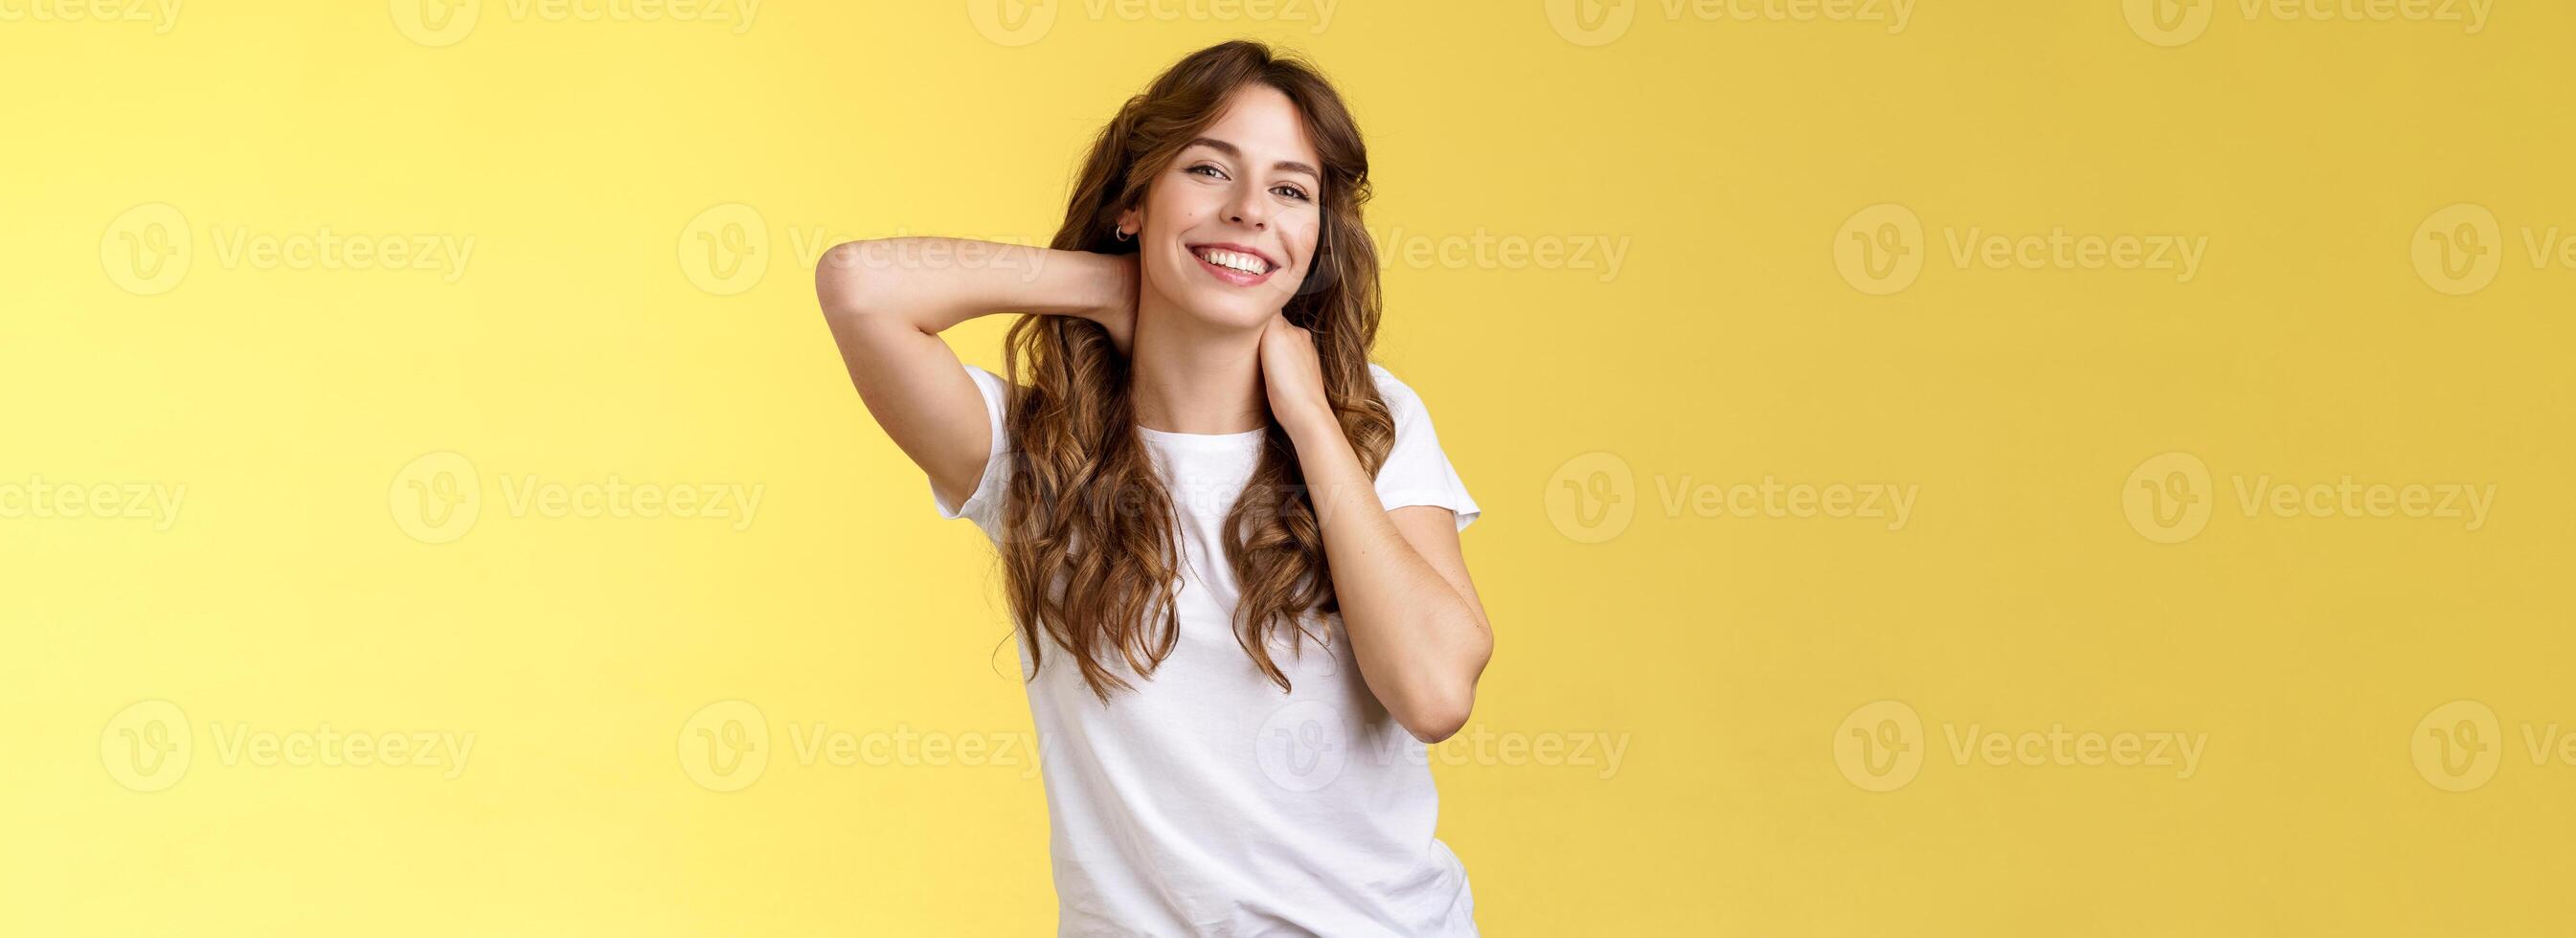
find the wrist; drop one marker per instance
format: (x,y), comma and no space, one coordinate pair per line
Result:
(1307,427)
(1113,281)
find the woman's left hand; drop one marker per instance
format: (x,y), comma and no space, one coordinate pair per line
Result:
(1293,376)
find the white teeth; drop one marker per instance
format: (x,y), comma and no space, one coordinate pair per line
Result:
(1234,259)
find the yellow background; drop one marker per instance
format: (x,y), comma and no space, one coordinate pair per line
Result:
(1724,650)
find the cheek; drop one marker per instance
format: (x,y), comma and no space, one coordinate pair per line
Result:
(1301,241)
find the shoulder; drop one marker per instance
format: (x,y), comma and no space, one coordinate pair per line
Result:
(1401,401)
(995,388)
(992,384)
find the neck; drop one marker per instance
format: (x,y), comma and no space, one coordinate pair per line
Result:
(1186,377)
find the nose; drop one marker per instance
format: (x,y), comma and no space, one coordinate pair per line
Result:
(1248,209)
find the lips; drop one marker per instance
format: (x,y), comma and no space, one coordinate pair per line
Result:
(1235,264)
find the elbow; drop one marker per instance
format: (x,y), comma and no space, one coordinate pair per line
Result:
(1435,723)
(842,283)
(1440,717)
(1438,711)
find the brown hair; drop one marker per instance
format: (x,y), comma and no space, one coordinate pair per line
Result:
(1090,554)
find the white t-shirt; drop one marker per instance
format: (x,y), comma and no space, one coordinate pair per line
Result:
(1206,801)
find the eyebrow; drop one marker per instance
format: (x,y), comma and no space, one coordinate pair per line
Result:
(1285,166)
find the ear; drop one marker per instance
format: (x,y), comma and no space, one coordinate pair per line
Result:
(1133,221)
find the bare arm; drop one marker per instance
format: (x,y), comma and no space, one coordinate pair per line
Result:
(1417,627)
(888,299)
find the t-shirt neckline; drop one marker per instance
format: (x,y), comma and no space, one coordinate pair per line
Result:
(1219,440)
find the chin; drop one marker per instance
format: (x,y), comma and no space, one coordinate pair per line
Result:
(1231,311)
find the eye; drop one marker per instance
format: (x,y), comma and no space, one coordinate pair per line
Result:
(1284,190)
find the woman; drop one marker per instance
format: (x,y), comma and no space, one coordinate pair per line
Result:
(1229,540)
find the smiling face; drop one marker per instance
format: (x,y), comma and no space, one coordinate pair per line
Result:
(1228,231)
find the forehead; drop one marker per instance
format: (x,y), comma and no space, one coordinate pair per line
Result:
(1266,125)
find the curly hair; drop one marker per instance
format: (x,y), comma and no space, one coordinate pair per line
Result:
(1091,556)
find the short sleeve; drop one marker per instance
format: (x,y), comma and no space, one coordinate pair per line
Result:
(1417,471)
(984,505)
